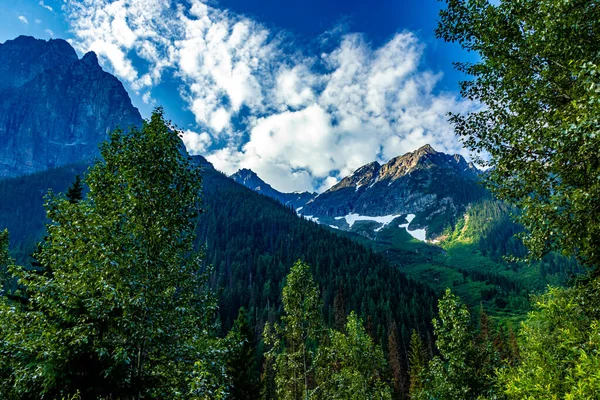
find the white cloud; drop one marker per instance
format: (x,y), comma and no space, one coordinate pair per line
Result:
(49,32)
(301,120)
(47,7)
(23,19)
(196,143)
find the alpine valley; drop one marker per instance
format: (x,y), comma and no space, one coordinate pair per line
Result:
(385,241)
(424,215)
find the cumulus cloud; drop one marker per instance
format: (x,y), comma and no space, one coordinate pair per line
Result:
(301,119)
(23,19)
(49,32)
(196,143)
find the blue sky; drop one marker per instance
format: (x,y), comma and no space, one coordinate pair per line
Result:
(301,92)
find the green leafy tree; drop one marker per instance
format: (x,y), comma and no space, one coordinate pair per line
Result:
(537,80)
(462,370)
(75,191)
(294,344)
(125,312)
(559,349)
(241,360)
(351,366)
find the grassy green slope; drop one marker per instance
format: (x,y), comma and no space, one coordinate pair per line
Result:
(469,259)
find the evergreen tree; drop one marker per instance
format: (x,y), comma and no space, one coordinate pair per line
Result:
(339,309)
(294,344)
(75,191)
(241,360)
(417,364)
(395,363)
(4,261)
(351,366)
(125,312)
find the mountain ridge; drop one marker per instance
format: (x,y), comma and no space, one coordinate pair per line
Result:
(251,180)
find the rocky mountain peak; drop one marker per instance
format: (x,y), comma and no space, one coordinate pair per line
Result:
(54,108)
(90,59)
(426,149)
(251,180)
(25,57)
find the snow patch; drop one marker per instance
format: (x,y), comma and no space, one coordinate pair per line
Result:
(311,218)
(333,226)
(384,220)
(418,234)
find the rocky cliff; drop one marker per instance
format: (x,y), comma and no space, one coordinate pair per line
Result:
(55,108)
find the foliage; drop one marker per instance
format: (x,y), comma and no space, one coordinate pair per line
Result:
(560,347)
(4,260)
(462,369)
(417,361)
(119,307)
(294,344)
(241,360)
(351,366)
(538,83)
(75,191)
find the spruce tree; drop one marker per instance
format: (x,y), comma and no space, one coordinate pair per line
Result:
(241,360)
(75,191)
(417,364)
(395,362)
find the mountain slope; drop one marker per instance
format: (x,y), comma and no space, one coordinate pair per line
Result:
(54,108)
(251,180)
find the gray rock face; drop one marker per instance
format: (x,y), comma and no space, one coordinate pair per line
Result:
(249,179)
(54,108)
(434,186)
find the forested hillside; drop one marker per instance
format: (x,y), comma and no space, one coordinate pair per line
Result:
(252,241)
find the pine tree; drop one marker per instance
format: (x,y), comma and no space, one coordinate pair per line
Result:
(4,261)
(417,364)
(395,362)
(339,309)
(241,361)
(75,191)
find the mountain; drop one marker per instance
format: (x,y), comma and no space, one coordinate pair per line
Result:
(251,180)
(426,190)
(55,108)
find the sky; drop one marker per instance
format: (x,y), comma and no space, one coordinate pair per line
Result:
(301,92)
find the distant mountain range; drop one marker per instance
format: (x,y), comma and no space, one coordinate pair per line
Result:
(55,108)
(424,190)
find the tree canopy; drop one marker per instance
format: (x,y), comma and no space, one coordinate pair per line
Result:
(118,307)
(537,82)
